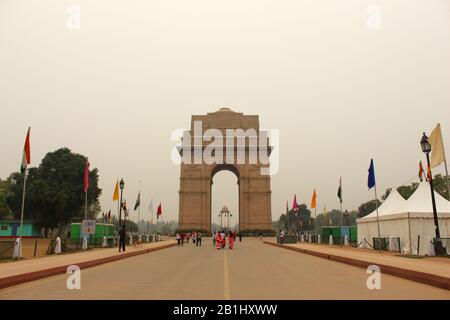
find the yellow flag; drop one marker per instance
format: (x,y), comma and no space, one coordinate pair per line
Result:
(324,215)
(437,147)
(116,192)
(313,200)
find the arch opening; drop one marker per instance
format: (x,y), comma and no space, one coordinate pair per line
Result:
(225,193)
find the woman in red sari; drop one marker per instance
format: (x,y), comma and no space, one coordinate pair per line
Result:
(219,241)
(231,240)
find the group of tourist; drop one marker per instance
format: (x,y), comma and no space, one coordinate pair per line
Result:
(219,239)
(196,238)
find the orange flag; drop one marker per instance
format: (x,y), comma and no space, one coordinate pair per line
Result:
(313,200)
(116,192)
(428,173)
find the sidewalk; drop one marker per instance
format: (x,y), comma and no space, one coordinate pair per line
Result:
(433,271)
(16,272)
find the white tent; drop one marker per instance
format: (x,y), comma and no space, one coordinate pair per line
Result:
(407,219)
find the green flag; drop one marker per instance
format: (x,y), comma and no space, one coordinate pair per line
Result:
(138,201)
(339,193)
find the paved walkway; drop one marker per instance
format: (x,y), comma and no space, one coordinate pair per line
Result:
(433,266)
(252,270)
(55,263)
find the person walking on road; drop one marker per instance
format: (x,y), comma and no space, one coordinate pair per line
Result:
(219,240)
(224,239)
(199,239)
(122,237)
(281,236)
(230,240)
(240,237)
(178,237)
(214,235)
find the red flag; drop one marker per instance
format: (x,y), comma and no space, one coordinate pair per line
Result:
(294,205)
(159,212)
(86,177)
(26,158)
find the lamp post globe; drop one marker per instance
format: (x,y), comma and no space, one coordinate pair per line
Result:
(121,184)
(426,146)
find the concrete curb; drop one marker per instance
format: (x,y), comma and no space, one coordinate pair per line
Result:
(417,276)
(36,275)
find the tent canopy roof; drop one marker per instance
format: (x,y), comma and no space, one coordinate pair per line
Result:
(392,205)
(419,202)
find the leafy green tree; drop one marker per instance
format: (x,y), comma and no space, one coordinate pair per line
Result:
(440,186)
(4,208)
(55,194)
(405,191)
(288,221)
(333,218)
(368,207)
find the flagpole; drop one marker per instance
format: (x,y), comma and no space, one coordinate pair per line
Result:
(340,240)
(21,213)
(315,220)
(85,206)
(378,221)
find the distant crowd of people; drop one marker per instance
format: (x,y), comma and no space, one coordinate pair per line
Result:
(184,237)
(219,239)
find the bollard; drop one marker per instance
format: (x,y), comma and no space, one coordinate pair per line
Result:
(418,244)
(35,248)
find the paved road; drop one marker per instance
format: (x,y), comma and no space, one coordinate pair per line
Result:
(252,270)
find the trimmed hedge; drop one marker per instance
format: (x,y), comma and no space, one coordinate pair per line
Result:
(203,232)
(256,233)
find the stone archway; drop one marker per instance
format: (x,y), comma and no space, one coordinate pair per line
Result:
(196,173)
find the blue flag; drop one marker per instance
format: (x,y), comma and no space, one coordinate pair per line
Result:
(371,179)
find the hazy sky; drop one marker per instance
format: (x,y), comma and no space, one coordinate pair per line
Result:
(338,91)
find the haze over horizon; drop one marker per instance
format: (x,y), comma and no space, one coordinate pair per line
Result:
(116,89)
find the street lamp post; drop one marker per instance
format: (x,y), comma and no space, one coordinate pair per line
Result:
(121,185)
(426,148)
(224,211)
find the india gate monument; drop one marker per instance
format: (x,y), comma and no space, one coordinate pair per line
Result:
(225,140)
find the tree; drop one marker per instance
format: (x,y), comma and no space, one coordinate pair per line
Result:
(55,195)
(368,207)
(405,191)
(333,218)
(4,208)
(439,184)
(288,221)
